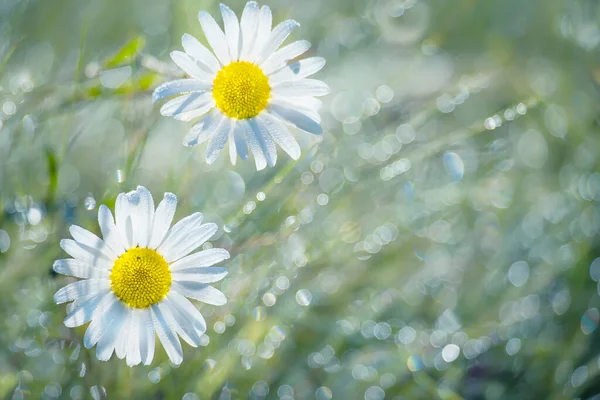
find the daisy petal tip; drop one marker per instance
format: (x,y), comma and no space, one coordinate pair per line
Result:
(203,14)
(226,256)
(63,243)
(58,299)
(170,196)
(56,266)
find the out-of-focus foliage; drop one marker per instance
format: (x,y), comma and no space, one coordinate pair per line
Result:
(440,241)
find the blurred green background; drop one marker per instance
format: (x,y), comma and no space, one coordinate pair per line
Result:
(439,241)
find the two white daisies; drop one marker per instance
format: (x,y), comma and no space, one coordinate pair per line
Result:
(137,278)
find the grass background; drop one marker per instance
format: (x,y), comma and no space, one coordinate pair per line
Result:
(451,204)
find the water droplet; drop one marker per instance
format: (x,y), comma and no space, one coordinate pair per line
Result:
(219,327)
(154,376)
(513,346)
(4,241)
(450,352)
(589,321)
(489,124)
(89,202)
(384,94)
(454,165)
(323,393)
(579,376)
(303,297)
(518,274)
(98,392)
(269,299)
(374,393)
(120,175)
(9,108)
(323,199)
(259,313)
(405,133)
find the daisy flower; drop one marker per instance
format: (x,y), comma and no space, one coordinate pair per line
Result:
(137,278)
(247,92)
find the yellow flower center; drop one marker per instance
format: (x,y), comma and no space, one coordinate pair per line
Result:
(241,90)
(140,277)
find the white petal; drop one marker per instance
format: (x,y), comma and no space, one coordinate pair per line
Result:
(277,36)
(215,37)
(281,135)
(201,275)
(179,323)
(147,336)
(79,269)
(167,336)
(232,31)
(133,339)
(109,310)
(305,105)
(204,258)
(266,143)
(265,21)
(79,289)
(88,255)
(87,238)
(254,144)
(297,118)
(240,142)
(303,87)
(181,86)
(142,215)
(109,230)
(188,106)
(189,242)
(187,309)
(180,230)
(248,26)
(188,64)
(232,147)
(124,224)
(110,331)
(200,291)
(204,129)
(121,343)
(218,140)
(298,70)
(84,311)
(280,58)
(201,54)
(162,219)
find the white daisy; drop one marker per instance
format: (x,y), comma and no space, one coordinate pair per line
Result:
(249,92)
(136,279)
